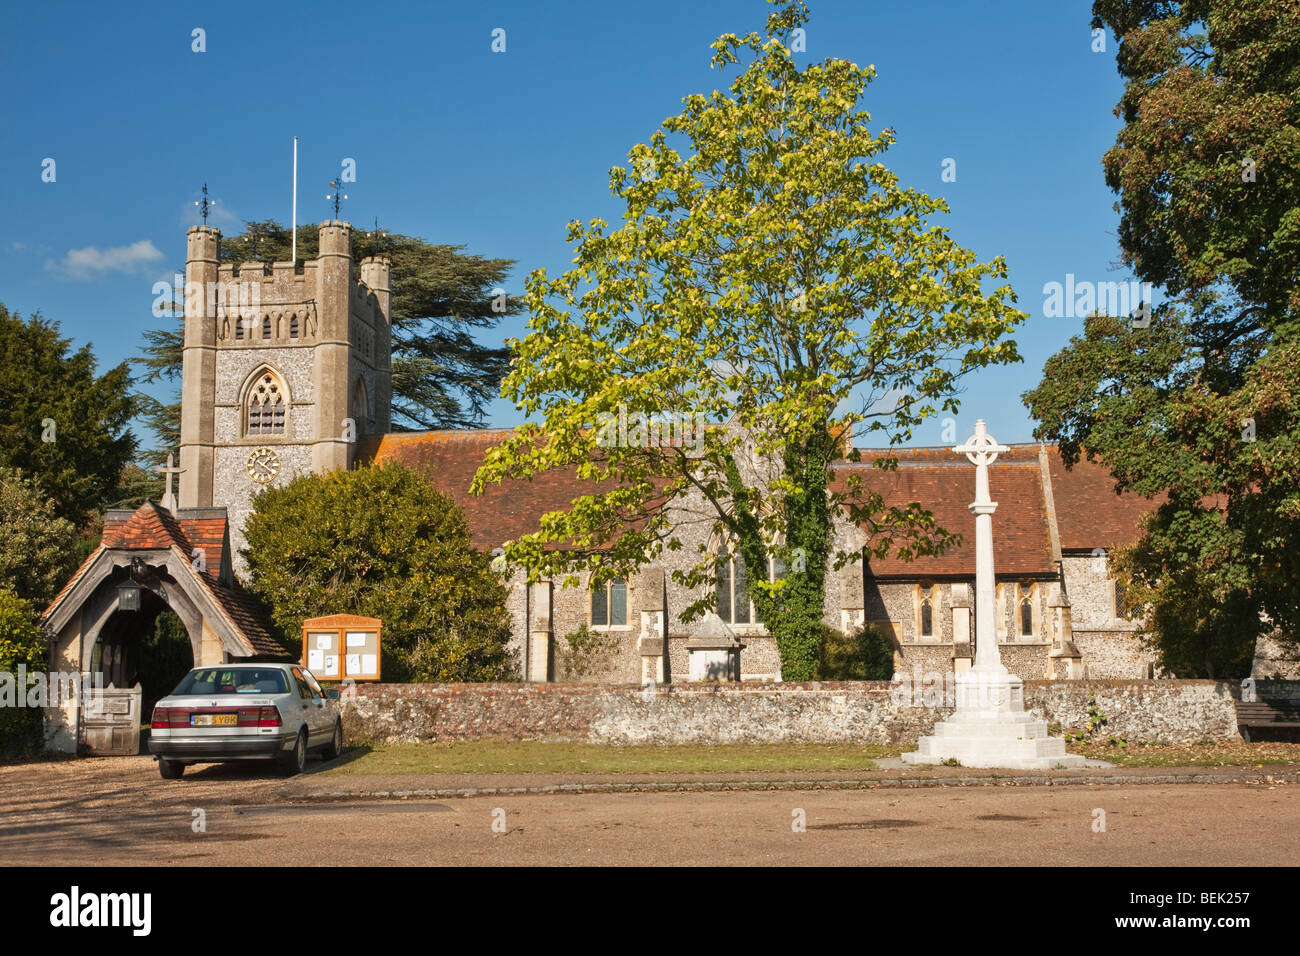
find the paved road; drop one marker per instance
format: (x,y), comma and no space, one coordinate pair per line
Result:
(118,820)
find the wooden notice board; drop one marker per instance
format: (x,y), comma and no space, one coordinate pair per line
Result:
(342,647)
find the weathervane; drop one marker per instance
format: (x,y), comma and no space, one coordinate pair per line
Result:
(382,239)
(338,195)
(205,204)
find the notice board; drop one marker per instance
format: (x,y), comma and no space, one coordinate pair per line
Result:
(342,647)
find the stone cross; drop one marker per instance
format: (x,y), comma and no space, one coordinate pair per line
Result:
(169,469)
(982,450)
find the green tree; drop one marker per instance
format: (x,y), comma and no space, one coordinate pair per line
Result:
(20,637)
(778,279)
(382,542)
(37,547)
(61,424)
(865,654)
(21,643)
(1198,408)
(443,377)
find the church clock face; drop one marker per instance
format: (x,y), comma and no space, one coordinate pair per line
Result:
(262,464)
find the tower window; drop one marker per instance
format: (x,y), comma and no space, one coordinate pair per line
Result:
(266,326)
(266,408)
(293,326)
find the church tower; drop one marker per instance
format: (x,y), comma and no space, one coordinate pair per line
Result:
(285,367)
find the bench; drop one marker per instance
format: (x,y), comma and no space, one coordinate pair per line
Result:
(1267,715)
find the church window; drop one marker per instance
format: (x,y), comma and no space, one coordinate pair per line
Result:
(293,326)
(609,604)
(266,326)
(735,603)
(266,407)
(1121,599)
(1026,617)
(239,328)
(925,599)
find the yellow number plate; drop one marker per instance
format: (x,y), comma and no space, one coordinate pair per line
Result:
(214,720)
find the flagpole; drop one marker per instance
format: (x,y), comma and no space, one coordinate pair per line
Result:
(295,201)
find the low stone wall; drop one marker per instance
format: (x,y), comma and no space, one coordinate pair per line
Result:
(849,712)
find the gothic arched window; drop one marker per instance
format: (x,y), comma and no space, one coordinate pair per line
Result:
(927,618)
(266,406)
(266,326)
(1026,617)
(293,326)
(735,605)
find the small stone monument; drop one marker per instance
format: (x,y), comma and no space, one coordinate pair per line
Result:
(714,652)
(989,727)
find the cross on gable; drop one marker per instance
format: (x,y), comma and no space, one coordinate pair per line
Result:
(981,448)
(169,469)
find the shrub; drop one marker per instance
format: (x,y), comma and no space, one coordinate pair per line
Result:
(20,643)
(867,654)
(382,542)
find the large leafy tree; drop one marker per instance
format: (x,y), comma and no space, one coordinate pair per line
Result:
(1198,408)
(443,377)
(770,274)
(382,542)
(37,547)
(61,424)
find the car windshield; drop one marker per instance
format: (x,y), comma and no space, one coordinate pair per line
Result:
(233,680)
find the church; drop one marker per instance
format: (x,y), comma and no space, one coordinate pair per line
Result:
(287,370)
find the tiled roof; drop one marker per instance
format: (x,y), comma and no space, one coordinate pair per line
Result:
(944,484)
(1089,512)
(449,459)
(153,528)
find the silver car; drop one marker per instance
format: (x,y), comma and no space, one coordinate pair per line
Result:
(245,712)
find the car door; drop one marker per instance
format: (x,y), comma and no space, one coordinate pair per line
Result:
(329,708)
(311,708)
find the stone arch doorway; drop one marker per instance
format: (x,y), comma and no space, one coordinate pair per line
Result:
(155,598)
(149,647)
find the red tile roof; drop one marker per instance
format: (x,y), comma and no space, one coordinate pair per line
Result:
(449,459)
(944,484)
(152,528)
(1089,513)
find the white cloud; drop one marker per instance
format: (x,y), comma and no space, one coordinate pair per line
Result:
(93,261)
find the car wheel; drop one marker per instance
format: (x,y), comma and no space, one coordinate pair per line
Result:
(335,747)
(293,762)
(170,769)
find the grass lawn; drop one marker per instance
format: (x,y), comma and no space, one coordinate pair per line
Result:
(495,756)
(1207,753)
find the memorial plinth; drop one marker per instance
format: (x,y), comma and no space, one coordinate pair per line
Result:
(989,727)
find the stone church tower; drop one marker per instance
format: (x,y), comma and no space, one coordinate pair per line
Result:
(285,367)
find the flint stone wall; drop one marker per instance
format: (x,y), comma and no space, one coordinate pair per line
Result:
(827,712)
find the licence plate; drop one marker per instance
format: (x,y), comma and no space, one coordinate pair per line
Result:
(214,720)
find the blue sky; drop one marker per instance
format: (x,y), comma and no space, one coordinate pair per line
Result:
(497,151)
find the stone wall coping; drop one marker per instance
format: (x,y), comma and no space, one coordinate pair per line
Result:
(757,687)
